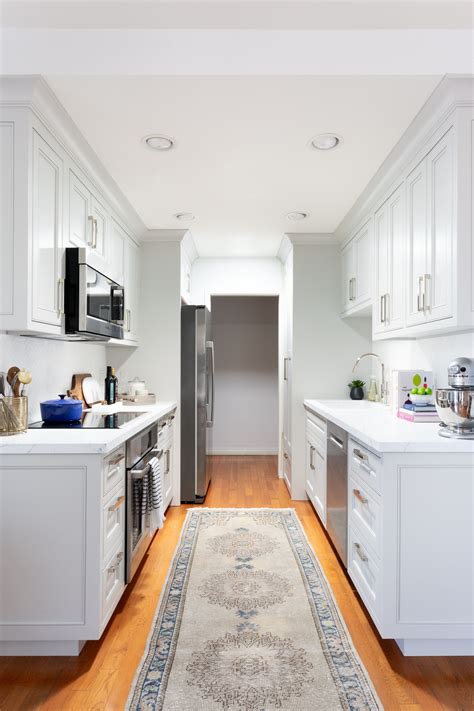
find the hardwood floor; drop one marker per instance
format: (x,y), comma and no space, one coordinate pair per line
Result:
(99,679)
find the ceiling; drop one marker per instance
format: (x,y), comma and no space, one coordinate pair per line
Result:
(242,159)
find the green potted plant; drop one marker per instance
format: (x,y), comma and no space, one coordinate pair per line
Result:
(357,389)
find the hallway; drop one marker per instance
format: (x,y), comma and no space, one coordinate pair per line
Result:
(100,678)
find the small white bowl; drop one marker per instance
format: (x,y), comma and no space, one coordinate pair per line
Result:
(421,399)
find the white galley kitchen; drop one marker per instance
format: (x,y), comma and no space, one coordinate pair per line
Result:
(236,355)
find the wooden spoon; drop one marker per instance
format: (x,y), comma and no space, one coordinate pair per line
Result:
(12,380)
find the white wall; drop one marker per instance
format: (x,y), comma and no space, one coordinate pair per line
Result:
(158,357)
(245,334)
(52,364)
(234,276)
(426,354)
(325,346)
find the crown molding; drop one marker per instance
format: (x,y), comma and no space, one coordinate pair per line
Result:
(451,94)
(33,92)
(164,235)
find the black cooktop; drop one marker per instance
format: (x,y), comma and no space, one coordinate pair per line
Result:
(91,421)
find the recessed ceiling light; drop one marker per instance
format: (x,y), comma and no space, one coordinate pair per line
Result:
(185,216)
(296,216)
(159,142)
(326,141)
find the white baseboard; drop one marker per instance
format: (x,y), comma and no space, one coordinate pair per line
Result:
(243,452)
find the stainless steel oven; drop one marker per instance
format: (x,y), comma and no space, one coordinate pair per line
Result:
(138,534)
(94,303)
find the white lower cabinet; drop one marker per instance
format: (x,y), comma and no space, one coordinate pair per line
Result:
(410,546)
(166,456)
(316,464)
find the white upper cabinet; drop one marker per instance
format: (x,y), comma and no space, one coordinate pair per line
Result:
(430,235)
(357,270)
(389,237)
(115,255)
(47,229)
(132,290)
(88,221)
(52,200)
(423,259)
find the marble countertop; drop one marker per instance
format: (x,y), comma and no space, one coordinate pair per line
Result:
(375,425)
(84,441)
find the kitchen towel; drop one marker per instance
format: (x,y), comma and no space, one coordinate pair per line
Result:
(155,495)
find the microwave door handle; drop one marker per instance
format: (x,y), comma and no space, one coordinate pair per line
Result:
(210,348)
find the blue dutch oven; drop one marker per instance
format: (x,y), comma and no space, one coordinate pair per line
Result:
(66,409)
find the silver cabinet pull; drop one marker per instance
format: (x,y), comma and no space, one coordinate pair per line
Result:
(168,458)
(285,455)
(386,298)
(311,452)
(96,230)
(336,441)
(359,496)
(118,560)
(360,552)
(354,295)
(60,296)
(426,302)
(129,320)
(91,221)
(285,368)
(360,455)
(381,310)
(117,504)
(117,460)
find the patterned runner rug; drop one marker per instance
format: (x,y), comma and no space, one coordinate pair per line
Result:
(247,622)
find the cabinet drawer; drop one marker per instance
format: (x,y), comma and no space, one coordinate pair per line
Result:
(165,430)
(113,582)
(113,522)
(113,471)
(316,428)
(364,571)
(364,513)
(365,465)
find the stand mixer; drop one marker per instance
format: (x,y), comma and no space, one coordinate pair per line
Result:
(455,404)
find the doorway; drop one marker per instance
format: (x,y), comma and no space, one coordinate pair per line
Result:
(245,334)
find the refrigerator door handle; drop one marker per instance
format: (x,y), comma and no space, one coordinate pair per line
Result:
(210,387)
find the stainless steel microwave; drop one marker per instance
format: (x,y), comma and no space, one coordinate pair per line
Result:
(94,303)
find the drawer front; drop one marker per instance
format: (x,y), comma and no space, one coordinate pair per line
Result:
(364,571)
(365,465)
(316,427)
(113,522)
(165,430)
(365,513)
(113,471)
(113,582)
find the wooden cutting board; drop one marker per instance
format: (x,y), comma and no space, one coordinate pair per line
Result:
(76,386)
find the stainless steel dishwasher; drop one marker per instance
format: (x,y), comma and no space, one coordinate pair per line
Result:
(336,514)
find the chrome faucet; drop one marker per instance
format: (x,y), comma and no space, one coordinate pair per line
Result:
(383,385)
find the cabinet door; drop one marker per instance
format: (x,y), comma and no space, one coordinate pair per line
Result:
(363,263)
(348,276)
(100,224)
(115,257)
(132,289)
(320,475)
(47,292)
(167,464)
(417,213)
(382,252)
(287,373)
(439,279)
(394,304)
(81,228)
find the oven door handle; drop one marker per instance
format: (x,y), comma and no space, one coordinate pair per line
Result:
(138,474)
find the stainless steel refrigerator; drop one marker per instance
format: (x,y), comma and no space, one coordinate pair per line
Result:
(197,401)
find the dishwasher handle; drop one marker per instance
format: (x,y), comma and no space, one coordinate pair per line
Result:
(335,440)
